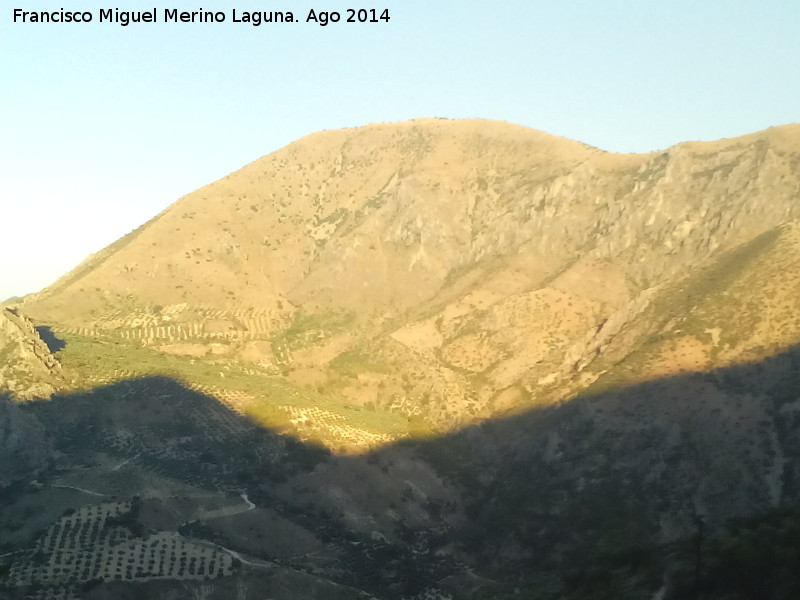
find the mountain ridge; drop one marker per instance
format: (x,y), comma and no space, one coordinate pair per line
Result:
(777,134)
(489,260)
(430,360)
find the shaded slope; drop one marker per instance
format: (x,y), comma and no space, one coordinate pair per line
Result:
(23,450)
(154,489)
(595,498)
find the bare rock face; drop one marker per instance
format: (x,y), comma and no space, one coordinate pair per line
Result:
(28,369)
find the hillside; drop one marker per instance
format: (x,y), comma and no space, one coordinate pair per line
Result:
(27,367)
(27,370)
(451,270)
(433,360)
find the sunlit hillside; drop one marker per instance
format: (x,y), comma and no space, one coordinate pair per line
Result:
(432,360)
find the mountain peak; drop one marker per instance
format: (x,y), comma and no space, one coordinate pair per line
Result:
(428,246)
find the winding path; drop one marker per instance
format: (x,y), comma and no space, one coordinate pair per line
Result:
(78,489)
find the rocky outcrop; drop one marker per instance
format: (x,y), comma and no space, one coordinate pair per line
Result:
(28,369)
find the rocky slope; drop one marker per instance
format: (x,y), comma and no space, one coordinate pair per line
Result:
(27,370)
(27,367)
(454,269)
(630,323)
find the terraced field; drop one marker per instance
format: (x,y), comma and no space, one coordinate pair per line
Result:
(257,393)
(93,544)
(314,422)
(182,323)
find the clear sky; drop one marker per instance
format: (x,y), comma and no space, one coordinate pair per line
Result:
(103,126)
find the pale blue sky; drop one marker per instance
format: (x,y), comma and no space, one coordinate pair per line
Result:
(103,126)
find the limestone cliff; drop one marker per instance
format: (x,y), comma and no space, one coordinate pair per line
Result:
(28,369)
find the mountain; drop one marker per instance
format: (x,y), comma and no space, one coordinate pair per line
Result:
(453,269)
(426,360)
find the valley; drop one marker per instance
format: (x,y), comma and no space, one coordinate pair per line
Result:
(425,360)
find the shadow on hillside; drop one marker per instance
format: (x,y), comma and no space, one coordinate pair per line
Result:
(51,340)
(603,481)
(172,430)
(593,488)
